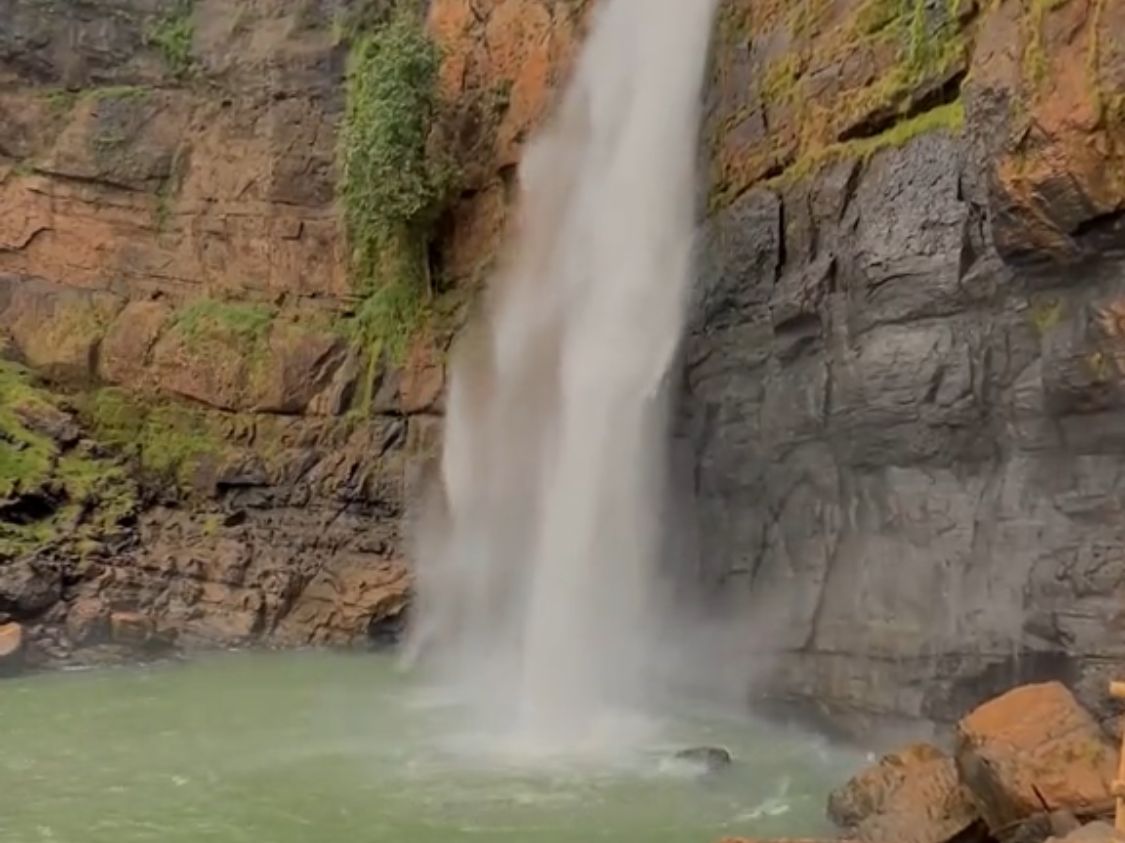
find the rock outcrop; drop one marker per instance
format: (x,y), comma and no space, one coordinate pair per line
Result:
(912,796)
(202,453)
(902,398)
(1031,765)
(1034,751)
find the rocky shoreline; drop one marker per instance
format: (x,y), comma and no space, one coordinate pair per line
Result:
(1028,766)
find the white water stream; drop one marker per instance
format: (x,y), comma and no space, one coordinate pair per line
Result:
(538,563)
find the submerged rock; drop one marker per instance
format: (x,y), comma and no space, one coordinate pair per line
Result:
(711,758)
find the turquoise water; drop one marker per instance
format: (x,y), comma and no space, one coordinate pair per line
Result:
(324,748)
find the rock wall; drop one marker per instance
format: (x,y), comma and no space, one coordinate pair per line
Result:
(201,454)
(172,262)
(903,387)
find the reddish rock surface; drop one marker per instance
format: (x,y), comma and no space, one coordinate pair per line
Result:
(11,643)
(910,796)
(1035,750)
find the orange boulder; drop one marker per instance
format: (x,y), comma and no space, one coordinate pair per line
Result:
(910,796)
(1031,751)
(11,642)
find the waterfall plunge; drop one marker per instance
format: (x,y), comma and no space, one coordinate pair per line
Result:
(537,567)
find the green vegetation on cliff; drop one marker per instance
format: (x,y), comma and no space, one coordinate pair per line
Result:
(202,319)
(53,484)
(392,186)
(167,441)
(172,36)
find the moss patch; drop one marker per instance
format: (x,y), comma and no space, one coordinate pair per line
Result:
(83,493)
(172,35)
(208,319)
(392,186)
(914,48)
(167,441)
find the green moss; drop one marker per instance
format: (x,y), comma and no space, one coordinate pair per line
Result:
(207,319)
(875,16)
(779,83)
(172,36)
(26,457)
(948,118)
(93,493)
(211,524)
(60,100)
(807,16)
(119,92)
(391,187)
(166,440)
(1035,68)
(1045,313)
(734,22)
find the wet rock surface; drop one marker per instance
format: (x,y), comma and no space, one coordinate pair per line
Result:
(901,393)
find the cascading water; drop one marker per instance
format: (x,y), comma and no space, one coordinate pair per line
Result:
(537,565)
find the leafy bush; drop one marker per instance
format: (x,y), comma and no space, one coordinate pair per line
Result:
(392,187)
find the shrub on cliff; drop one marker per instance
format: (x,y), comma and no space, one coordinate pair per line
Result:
(392,186)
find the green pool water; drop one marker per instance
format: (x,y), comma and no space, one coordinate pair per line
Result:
(324,748)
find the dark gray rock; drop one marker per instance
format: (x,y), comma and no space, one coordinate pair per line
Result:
(710,758)
(908,452)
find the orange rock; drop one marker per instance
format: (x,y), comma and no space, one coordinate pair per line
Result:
(423,378)
(129,627)
(1034,749)
(58,330)
(129,340)
(86,622)
(340,605)
(11,642)
(910,796)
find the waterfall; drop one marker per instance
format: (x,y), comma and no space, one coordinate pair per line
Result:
(537,559)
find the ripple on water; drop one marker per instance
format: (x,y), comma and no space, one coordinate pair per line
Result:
(266,747)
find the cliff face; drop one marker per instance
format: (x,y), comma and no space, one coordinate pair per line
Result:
(904,377)
(172,261)
(902,383)
(203,444)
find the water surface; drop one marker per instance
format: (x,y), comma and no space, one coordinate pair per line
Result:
(323,748)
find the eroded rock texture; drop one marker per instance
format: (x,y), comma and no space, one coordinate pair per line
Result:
(174,274)
(903,386)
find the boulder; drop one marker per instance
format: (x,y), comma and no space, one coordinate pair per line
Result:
(344,601)
(87,622)
(910,796)
(11,644)
(129,628)
(28,589)
(1032,751)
